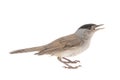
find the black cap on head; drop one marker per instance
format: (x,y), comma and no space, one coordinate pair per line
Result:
(87,26)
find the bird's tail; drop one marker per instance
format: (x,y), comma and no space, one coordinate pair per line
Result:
(28,50)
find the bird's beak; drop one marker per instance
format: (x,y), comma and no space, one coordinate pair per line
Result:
(98,27)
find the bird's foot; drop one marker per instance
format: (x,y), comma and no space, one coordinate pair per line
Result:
(76,61)
(69,61)
(68,66)
(71,67)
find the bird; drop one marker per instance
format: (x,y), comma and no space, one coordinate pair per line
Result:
(67,46)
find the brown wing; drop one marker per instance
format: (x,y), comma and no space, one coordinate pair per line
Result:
(61,44)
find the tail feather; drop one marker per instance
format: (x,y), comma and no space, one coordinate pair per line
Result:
(28,50)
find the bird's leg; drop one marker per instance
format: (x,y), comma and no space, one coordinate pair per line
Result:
(69,61)
(67,65)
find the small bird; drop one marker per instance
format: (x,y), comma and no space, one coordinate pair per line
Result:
(67,46)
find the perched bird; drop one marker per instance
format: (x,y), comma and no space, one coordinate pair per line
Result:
(67,46)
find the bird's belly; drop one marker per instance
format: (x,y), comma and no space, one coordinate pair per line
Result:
(69,53)
(74,51)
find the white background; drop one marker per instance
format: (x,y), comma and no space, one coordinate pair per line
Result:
(29,23)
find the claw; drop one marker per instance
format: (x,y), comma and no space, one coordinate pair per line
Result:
(69,61)
(71,67)
(76,61)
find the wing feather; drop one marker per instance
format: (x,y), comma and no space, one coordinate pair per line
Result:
(62,44)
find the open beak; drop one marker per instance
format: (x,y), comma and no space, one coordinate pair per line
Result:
(98,27)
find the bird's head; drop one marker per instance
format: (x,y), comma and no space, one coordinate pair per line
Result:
(91,27)
(88,30)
